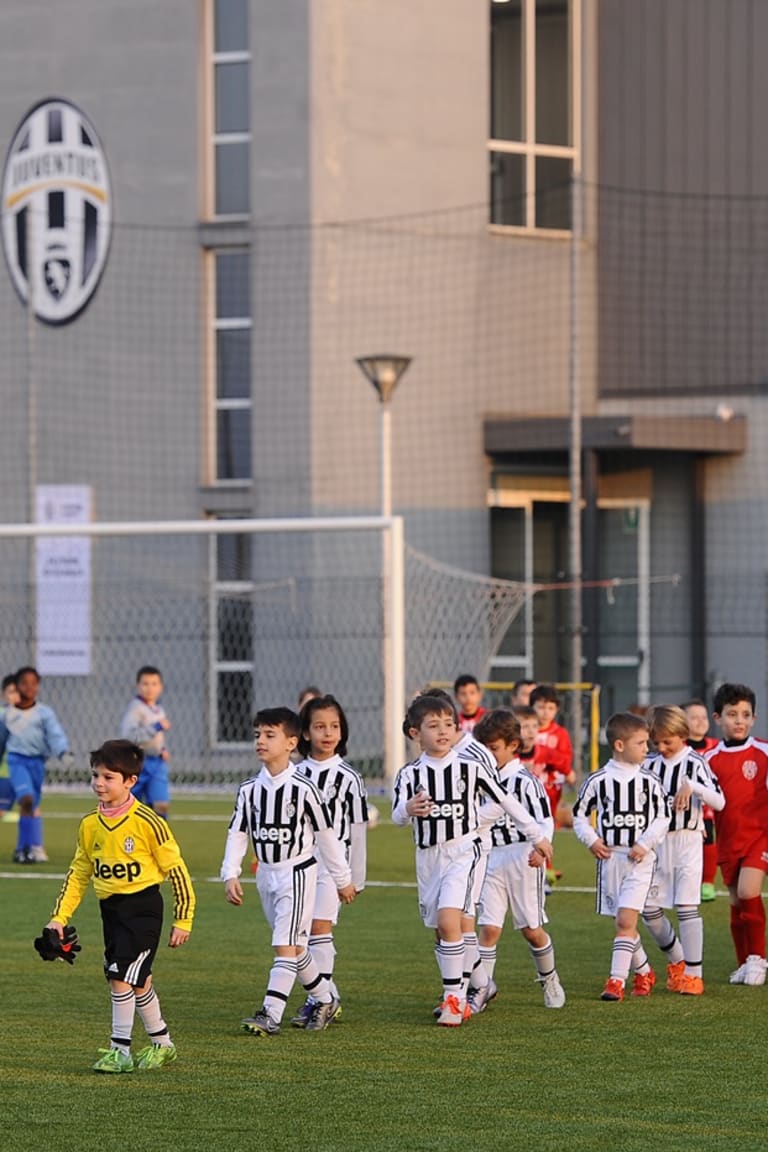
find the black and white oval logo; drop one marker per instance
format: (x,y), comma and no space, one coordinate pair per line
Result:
(56,210)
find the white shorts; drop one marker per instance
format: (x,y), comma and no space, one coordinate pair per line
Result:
(445,876)
(622,883)
(679,865)
(326,896)
(480,871)
(512,885)
(288,898)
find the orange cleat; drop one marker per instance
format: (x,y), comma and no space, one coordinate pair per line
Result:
(614,989)
(691,986)
(675,973)
(642,985)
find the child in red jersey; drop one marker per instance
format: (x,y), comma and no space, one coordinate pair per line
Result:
(554,752)
(740,764)
(469,697)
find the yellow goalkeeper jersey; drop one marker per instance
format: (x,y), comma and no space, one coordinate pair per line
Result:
(125,855)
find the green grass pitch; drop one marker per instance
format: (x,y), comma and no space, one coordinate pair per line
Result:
(671,1072)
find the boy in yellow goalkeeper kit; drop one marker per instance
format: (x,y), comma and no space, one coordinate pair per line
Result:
(128,850)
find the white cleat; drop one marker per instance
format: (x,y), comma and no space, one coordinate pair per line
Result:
(554,995)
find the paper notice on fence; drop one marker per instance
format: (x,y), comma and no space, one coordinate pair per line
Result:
(63,583)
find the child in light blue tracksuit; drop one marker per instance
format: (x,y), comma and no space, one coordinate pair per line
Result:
(30,733)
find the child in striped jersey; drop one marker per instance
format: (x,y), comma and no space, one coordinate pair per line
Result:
(632,819)
(514,878)
(283,814)
(440,794)
(690,785)
(323,743)
(698,722)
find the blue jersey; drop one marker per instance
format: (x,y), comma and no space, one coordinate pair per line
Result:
(34,732)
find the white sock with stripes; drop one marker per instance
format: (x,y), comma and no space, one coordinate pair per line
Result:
(664,934)
(691,928)
(543,958)
(282,977)
(123,1012)
(475,974)
(148,1008)
(315,984)
(450,958)
(639,958)
(323,953)
(488,957)
(621,957)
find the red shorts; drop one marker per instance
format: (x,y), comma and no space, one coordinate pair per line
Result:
(755,855)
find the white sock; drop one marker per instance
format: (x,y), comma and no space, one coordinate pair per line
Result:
(123,1011)
(664,934)
(148,1008)
(488,957)
(450,958)
(543,958)
(282,977)
(315,984)
(621,957)
(691,928)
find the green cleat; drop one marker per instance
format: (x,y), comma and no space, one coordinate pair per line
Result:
(113,1060)
(708,893)
(155,1055)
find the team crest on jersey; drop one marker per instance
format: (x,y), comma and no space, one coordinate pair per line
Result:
(330,792)
(290,810)
(461,786)
(129,844)
(609,902)
(56,210)
(749,769)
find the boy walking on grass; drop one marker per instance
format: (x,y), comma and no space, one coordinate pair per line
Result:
(284,816)
(632,818)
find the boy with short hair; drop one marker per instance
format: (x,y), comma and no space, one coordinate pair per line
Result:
(554,750)
(690,785)
(469,697)
(632,818)
(740,763)
(529,730)
(440,795)
(128,851)
(513,879)
(284,816)
(520,696)
(145,723)
(698,723)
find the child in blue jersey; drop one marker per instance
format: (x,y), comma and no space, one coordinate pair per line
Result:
(145,723)
(31,733)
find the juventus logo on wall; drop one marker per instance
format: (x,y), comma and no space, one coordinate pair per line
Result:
(56,210)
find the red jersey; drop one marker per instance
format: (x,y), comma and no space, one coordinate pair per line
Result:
(467,723)
(742,772)
(554,750)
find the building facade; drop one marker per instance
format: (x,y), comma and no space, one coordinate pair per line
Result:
(552,206)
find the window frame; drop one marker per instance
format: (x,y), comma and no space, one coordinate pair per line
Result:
(223,589)
(213,139)
(214,404)
(528,148)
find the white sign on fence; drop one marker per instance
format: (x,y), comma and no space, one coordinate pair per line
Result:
(63,583)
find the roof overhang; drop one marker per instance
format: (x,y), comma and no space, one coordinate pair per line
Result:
(708,435)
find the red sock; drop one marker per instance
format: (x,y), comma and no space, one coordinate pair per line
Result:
(710,864)
(739,933)
(753,920)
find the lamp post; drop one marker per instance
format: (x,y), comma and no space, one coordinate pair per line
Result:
(384,373)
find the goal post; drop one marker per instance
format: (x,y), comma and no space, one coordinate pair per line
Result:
(239,614)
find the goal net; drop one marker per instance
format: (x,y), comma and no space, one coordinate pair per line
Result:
(238,615)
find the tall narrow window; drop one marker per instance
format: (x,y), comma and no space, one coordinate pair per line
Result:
(231,640)
(231,113)
(231,342)
(534,103)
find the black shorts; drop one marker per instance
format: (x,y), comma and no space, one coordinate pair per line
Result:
(132,924)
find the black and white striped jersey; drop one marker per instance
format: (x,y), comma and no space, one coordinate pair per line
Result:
(705,788)
(529,791)
(457,786)
(467,745)
(284,817)
(343,790)
(629,804)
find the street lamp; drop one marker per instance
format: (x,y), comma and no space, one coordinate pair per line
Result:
(384,373)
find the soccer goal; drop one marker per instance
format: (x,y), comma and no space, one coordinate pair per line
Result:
(240,614)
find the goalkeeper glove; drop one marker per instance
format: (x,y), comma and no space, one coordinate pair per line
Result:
(51,946)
